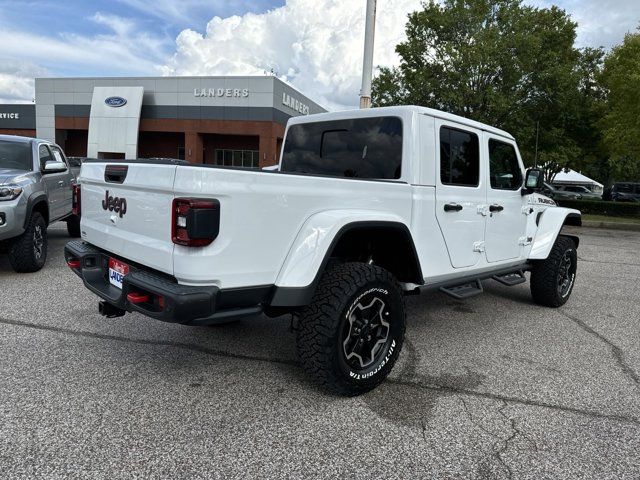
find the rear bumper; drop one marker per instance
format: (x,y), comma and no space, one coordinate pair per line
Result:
(184,304)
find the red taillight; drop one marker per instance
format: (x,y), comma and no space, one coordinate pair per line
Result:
(76,199)
(137,297)
(195,222)
(73,263)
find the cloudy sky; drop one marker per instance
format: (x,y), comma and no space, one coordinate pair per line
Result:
(316,45)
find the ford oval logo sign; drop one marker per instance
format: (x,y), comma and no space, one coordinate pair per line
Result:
(116,101)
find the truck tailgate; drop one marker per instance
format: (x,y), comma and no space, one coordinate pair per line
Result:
(139,228)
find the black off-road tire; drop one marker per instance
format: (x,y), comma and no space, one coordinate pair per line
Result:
(546,284)
(347,291)
(28,252)
(73,226)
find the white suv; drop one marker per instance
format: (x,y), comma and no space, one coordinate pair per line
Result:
(366,206)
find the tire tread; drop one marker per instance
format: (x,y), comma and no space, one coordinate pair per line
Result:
(543,275)
(321,318)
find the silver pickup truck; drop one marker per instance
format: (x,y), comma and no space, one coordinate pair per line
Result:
(36,189)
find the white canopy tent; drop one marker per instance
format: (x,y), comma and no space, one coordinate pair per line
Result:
(575,178)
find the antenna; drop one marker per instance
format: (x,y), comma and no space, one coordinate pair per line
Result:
(367,63)
(535,159)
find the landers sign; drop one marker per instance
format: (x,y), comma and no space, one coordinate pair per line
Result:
(294,104)
(221,92)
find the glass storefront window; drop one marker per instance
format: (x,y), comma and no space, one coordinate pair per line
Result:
(238,158)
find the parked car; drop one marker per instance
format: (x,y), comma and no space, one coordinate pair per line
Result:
(36,189)
(366,207)
(584,192)
(557,194)
(625,192)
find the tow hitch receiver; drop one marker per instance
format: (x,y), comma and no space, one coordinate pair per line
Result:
(109,310)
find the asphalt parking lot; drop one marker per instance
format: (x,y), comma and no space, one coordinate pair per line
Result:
(492,387)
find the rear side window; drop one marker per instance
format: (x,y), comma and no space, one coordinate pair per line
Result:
(503,166)
(357,148)
(459,158)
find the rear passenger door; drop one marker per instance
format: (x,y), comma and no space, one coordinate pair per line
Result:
(460,192)
(53,183)
(506,220)
(65,193)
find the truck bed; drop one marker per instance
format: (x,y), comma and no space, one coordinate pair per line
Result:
(262,213)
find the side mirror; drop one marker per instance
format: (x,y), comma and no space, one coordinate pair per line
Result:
(55,167)
(533,181)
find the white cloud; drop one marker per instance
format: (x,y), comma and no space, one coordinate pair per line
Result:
(314,44)
(122,50)
(16,81)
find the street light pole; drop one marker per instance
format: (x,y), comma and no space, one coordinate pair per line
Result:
(367,64)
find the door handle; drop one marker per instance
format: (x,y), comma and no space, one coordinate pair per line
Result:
(496,208)
(61,182)
(452,207)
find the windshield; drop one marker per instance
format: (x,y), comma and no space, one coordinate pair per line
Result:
(624,188)
(15,155)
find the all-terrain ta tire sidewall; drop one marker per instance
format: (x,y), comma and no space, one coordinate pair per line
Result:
(393,312)
(323,344)
(22,253)
(544,277)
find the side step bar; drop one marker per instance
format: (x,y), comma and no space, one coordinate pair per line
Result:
(510,279)
(466,290)
(470,286)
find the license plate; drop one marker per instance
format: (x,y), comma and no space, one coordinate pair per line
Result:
(117,271)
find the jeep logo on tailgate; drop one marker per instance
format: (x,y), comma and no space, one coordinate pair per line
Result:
(114,204)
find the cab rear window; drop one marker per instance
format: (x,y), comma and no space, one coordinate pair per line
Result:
(368,148)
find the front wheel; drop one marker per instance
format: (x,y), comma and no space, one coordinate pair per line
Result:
(351,334)
(552,279)
(28,252)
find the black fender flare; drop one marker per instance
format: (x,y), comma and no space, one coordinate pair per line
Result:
(34,199)
(300,296)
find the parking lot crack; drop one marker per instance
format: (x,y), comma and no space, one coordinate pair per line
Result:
(507,441)
(502,443)
(626,264)
(433,387)
(480,426)
(616,351)
(522,401)
(140,341)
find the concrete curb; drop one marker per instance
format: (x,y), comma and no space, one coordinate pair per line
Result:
(634,227)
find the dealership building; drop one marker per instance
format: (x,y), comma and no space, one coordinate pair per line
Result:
(236,121)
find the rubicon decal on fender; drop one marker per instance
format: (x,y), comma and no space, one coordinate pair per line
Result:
(114,204)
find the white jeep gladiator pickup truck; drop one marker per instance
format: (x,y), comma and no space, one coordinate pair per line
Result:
(366,206)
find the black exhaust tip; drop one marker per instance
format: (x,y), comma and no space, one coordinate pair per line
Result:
(110,311)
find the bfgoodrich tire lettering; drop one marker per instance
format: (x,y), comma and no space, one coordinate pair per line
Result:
(552,280)
(28,252)
(351,334)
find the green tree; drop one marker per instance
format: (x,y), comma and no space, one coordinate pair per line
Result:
(621,122)
(502,63)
